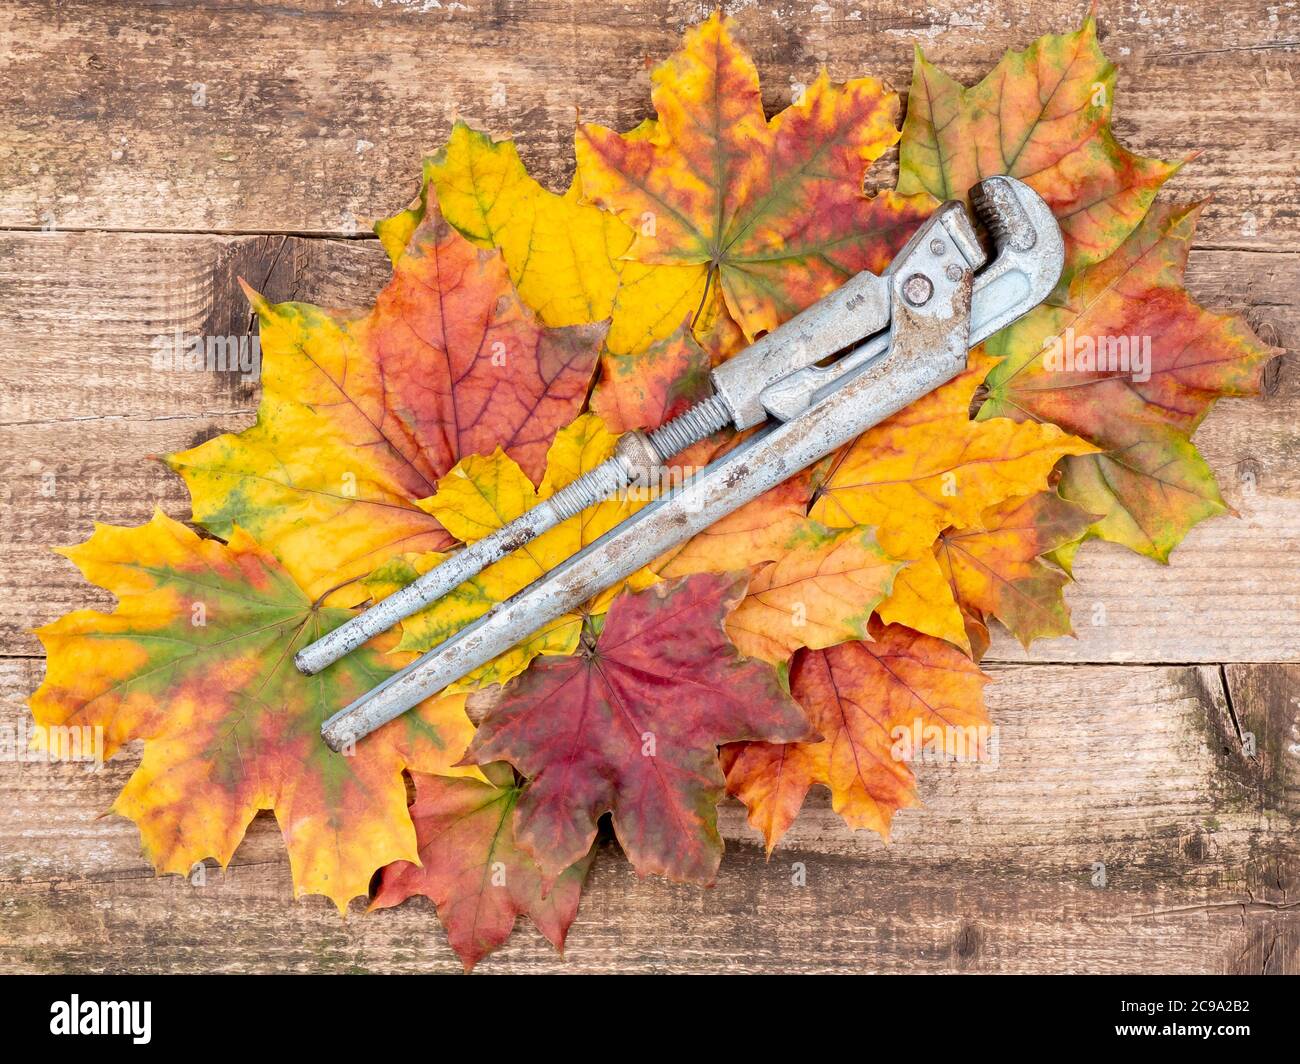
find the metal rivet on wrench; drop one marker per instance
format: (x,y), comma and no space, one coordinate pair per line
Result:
(918,289)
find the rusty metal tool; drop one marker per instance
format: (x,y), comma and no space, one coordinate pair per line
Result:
(833,371)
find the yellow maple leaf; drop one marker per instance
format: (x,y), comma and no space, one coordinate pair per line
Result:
(821,592)
(930,466)
(922,599)
(562,254)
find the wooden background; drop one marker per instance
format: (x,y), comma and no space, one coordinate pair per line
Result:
(131,198)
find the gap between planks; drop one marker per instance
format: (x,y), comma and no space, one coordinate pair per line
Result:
(368,236)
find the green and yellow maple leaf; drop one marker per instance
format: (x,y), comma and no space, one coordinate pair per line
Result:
(197,660)
(1004,566)
(1131,363)
(1041,115)
(996,569)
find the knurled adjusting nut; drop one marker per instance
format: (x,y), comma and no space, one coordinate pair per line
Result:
(639,456)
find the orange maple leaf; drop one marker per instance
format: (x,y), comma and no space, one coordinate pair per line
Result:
(740,221)
(868,700)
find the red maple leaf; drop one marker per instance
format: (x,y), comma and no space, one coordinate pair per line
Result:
(631,726)
(472,869)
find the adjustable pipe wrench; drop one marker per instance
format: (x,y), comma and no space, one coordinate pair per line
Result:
(862,353)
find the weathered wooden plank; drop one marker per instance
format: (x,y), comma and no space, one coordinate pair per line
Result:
(297,117)
(1264,705)
(83,313)
(83,407)
(1138,769)
(316,112)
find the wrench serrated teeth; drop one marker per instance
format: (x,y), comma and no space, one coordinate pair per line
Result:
(988,214)
(995,204)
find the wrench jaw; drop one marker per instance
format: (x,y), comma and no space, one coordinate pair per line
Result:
(1030,254)
(780,374)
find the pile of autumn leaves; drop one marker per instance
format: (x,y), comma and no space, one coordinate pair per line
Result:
(794,635)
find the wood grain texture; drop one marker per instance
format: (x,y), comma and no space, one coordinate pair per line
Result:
(1163,743)
(317,111)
